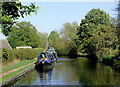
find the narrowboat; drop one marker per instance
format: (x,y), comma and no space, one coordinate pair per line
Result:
(46,60)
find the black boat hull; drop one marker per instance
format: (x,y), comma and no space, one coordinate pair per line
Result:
(44,67)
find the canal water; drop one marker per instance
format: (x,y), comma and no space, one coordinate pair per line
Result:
(74,71)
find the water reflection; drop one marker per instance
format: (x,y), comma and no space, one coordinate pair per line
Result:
(45,77)
(80,71)
(91,73)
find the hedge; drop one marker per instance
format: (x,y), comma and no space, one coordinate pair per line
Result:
(21,54)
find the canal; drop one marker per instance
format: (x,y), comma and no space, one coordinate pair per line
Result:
(74,71)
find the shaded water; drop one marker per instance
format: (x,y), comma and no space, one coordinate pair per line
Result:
(80,71)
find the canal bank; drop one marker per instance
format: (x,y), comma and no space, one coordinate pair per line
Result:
(17,77)
(13,69)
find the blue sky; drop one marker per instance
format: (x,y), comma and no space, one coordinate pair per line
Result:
(52,15)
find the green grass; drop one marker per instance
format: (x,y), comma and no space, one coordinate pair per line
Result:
(14,73)
(11,66)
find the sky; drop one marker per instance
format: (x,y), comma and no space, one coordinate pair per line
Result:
(52,15)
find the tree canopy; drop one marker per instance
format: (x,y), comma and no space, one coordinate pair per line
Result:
(65,41)
(52,38)
(43,39)
(11,11)
(24,34)
(89,25)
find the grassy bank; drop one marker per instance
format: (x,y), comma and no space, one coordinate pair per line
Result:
(11,66)
(15,65)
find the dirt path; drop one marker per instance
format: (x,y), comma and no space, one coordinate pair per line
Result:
(6,73)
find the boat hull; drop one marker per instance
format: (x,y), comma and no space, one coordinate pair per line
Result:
(44,67)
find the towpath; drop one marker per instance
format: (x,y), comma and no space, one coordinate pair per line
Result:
(10,71)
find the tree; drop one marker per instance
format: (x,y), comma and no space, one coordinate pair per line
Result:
(104,41)
(52,38)
(116,60)
(68,33)
(118,9)
(11,11)
(24,34)
(43,39)
(56,42)
(88,27)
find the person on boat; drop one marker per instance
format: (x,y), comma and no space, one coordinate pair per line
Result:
(45,58)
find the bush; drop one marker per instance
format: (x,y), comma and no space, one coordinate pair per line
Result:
(21,54)
(7,55)
(24,54)
(116,63)
(107,59)
(36,51)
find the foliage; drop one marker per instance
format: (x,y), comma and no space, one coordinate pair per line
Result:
(116,63)
(56,42)
(68,33)
(118,23)
(20,54)
(107,59)
(11,11)
(103,41)
(36,51)
(52,38)
(65,41)
(118,16)
(116,59)
(87,29)
(24,34)
(7,55)
(118,27)
(24,54)
(43,38)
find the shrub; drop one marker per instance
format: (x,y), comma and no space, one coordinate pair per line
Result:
(116,63)
(21,54)
(107,59)
(36,51)
(24,54)
(7,55)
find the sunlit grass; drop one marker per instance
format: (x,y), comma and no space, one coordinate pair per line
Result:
(14,73)
(11,66)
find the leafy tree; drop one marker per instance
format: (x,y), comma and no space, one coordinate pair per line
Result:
(65,42)
(56,42)
(43,39)
(11,11)
(102,42)
(116,60)
(88,27)
(61,47)
(52,38)
(24,34)
(68,33)
(118,9)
